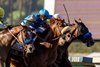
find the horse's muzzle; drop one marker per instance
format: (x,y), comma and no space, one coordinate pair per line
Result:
(91,43)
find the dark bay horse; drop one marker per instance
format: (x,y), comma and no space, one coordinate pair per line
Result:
(7,36)
(76,31)
(44,57)
(45,52)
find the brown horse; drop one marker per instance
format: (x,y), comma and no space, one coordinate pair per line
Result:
(7,36)
(44,57)
(76,31)
(45,53)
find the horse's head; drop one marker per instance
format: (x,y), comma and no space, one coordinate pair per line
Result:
(57,26)
(83,33)
(26,40)
(80,31)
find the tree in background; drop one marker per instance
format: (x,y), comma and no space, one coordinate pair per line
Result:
(16,10)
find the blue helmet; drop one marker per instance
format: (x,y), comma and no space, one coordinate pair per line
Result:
(44,12)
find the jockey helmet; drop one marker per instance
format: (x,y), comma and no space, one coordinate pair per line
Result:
(57,16)
(44,12)
(2,12)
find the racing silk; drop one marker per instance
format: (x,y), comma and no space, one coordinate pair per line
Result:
(33,21)
(1,23)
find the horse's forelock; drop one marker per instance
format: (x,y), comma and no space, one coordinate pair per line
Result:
(52,21)
(56,26)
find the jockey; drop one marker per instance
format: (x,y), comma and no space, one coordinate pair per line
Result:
(59,17)
(2,13)
(38,22)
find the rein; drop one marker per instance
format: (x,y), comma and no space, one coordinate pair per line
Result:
(74,32)
(25,61)
(37,36)
(58,37)
(16,37)
(44,39)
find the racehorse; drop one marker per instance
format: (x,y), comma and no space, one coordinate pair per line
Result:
(45,52)
(9,36)
(76,31)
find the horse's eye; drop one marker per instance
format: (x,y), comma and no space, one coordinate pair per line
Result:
(69,35)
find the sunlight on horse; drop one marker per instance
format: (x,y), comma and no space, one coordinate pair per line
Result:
(54,54)
(46,52)
(6,38)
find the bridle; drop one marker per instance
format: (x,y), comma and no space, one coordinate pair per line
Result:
(21,43)
(59,30)
(78,33)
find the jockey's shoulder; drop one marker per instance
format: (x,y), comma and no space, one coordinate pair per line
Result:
(36,16)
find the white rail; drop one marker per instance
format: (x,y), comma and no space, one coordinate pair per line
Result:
(90,60)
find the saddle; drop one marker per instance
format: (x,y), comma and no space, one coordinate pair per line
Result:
(16,49)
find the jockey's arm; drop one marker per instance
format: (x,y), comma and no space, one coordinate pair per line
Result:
(28,20)
(31,19)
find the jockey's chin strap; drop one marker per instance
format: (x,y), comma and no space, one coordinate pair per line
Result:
(21,44)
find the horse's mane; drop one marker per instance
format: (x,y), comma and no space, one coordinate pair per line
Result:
(56,26)
(52,21)
(11,26)
(8,27)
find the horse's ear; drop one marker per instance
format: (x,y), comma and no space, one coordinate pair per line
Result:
(76,21)
(80,20)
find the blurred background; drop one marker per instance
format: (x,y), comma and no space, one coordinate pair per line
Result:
(88,11)
(16,10)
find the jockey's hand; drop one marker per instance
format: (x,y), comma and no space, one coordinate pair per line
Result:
(33,32)
(46,44)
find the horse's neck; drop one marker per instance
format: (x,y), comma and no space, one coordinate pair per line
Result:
(7,35)
(16,29)
(56,30)
(74,31)
(73,34)
(21,36)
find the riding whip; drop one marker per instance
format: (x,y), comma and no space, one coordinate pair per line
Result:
(67,14)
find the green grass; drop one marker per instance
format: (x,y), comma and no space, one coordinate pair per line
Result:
(79,47)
